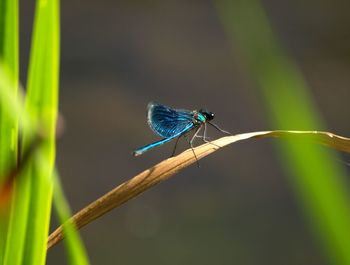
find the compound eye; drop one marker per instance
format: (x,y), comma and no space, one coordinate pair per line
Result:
(210,115)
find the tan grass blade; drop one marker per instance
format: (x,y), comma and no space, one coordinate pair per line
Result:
(171,166)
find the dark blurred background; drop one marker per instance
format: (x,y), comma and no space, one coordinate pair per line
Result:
(238,207)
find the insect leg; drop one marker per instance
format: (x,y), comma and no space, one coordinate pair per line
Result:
(177,140)
(191,144)
(204,138)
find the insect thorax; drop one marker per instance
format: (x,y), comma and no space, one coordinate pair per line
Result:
(198,118)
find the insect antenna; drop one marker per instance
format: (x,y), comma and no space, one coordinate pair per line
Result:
(218,128)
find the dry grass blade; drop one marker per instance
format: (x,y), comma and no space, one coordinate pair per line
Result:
(171,166)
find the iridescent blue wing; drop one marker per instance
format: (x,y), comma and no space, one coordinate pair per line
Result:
(168,122)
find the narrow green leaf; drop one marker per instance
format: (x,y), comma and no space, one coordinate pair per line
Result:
(30,215)
(8,122)
(74,246)
(9,60)
(13,106)
(18,221)
(42,102)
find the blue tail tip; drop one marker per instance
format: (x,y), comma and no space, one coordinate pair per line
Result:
(136,153)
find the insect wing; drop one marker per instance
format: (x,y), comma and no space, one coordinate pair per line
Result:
(168,122)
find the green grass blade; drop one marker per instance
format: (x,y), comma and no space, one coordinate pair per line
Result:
(13,104)
(317,178)
(42,103)
(27,237)
(14,108)
(9,36)
(18,222)
(74,246)
(8,122)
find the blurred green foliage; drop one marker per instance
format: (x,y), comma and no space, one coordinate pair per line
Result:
(24,226)
(317,177)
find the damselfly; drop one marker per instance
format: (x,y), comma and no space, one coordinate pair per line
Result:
(172,123)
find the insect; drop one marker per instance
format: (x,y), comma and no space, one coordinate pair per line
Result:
(172,123)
